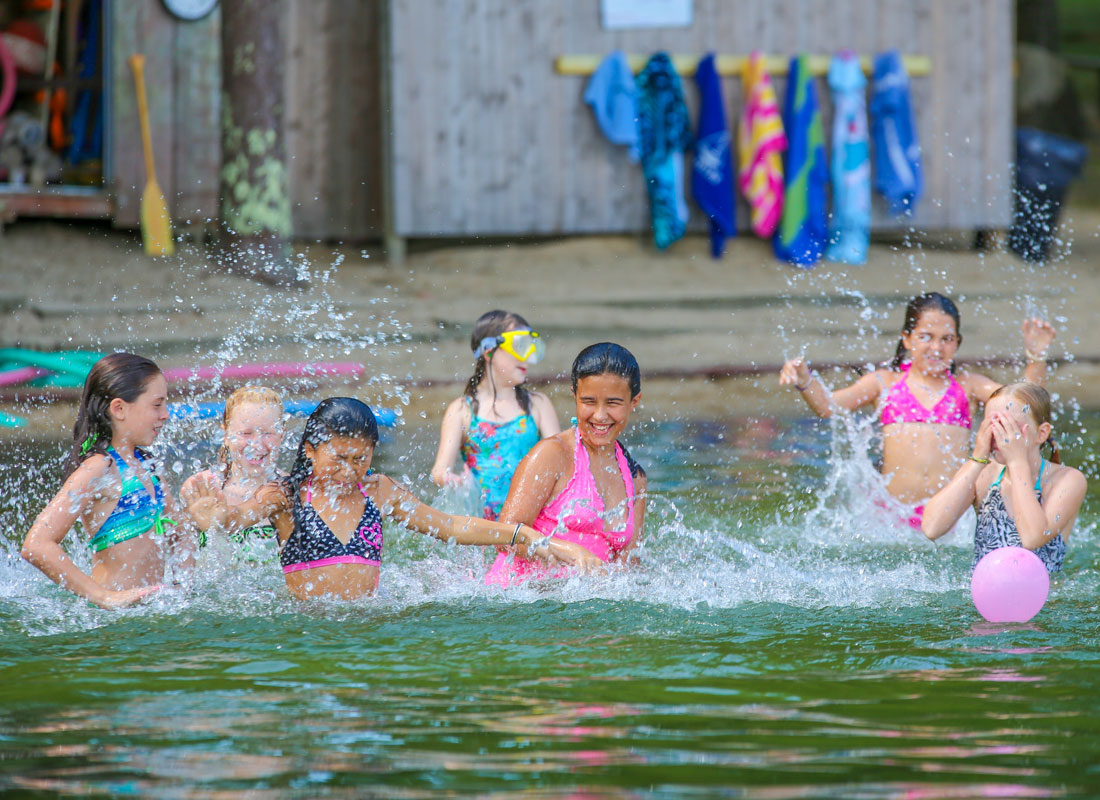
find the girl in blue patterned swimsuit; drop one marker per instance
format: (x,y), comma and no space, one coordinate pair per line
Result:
(114,491)
(1022,499)
(496,421)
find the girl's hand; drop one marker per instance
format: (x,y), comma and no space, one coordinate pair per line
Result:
(451,479)
(983,441)
(1038,335)
(795,372)
(126,597)
(272,496)
(574,556)
(1009,439)
(205,502)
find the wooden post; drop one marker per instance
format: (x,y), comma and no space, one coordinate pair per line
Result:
(255,194)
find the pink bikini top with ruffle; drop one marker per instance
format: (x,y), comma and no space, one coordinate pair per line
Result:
(953,408)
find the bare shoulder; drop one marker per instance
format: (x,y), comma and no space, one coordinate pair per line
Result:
(539,399)
(94,471)
(885,377)
(558,446)
(976,385)
(457,408)
(1069,479)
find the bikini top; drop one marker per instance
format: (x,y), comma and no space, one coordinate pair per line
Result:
(137,512)
(313,544)
(577,514)
(953,408)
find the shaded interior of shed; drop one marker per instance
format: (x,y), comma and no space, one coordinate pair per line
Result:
(53,118)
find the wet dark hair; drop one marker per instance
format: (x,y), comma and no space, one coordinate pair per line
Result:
(121,375)
(494,323)
(933,301)
(607,358)
(333,417)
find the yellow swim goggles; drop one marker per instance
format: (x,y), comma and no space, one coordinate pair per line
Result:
(523,345)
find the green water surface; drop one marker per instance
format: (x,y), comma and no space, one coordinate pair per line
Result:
(770,645)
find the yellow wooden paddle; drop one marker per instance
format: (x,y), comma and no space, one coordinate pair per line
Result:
(156,225)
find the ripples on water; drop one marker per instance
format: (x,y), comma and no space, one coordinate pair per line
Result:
(779,638)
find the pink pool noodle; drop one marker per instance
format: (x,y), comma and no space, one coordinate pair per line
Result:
(291,369)
(12,377)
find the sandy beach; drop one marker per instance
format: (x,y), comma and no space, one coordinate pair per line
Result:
(729,322)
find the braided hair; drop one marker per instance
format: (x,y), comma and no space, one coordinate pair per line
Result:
(121,375)
(488,325)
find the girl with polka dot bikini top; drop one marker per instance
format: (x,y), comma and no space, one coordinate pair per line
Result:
(328,513)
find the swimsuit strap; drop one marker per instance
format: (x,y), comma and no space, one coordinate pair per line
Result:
(580,457)
(1038,478)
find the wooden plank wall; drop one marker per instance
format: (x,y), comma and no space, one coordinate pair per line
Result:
(333,118)
(333,113)
(488,139)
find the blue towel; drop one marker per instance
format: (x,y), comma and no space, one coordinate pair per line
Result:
(664,132)
(712,173)
(897,151)
(613,97)
(850,232)
(803,228)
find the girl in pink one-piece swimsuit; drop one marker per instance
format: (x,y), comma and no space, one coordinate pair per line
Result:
(607,387)
(576,515)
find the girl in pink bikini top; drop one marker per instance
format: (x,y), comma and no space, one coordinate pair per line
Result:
(578,513)
(900,405)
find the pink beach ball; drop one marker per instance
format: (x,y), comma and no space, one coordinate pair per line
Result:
(1009,584)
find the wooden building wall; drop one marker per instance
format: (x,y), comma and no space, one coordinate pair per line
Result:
(488,139)
(333,114)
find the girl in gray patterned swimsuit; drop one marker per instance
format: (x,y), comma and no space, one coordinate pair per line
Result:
(1025,500)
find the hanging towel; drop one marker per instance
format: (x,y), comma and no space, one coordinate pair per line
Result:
(897,151)
(760,145)
(850,232)
(664,132)
(712,171)
(613,97)
(803,228)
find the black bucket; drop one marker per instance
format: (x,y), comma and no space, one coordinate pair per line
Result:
(1046,164)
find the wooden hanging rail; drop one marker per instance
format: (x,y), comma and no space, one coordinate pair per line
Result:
(731,65)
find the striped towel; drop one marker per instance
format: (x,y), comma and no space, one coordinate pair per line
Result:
(804,228)
(760,143)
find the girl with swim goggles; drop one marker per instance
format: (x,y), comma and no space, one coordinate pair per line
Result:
(497,420)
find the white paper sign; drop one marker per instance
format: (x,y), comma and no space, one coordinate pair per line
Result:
(621,14)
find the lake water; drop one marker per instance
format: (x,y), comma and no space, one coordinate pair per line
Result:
(780,639)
